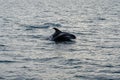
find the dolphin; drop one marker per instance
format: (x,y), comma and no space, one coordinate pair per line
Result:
(60,36)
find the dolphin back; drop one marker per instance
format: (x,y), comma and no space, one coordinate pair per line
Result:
(64,37)
(61,36)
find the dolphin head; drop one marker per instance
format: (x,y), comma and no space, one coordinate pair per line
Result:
(72,36)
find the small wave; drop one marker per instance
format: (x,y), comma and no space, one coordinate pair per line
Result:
(31,27)
(110,71)
(118,72)
(1,45)
(108,65)
(81,77)
(2,78)
(43,26)
(94,77)
(87,21)
(105,78)
(66,42)
(86,33)
(7,61)
(100,18)
(32,36)
(49,59)
(72,62)
(53,24)
(26,78)
(108,47)
(42,60)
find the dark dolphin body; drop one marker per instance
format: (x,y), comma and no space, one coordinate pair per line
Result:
(60,36)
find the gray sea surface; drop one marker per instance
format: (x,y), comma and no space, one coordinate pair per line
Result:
(27,54)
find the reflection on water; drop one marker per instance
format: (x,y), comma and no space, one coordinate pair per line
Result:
(27,54)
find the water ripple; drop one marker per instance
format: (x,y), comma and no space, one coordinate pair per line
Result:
(110,71)
(108,47)
(3,47)
(42,59)
(81,77)
(7,61)
(72,62)
(43,26)
(2,78)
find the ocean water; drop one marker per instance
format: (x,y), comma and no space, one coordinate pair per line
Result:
(27,54)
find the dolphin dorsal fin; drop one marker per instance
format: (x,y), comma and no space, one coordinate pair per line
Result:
(57,30)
